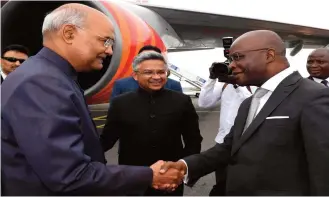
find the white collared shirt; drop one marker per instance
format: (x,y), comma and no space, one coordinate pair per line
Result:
(271,84)
(230,99)
(3,74)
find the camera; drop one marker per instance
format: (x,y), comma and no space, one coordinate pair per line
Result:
(221,70)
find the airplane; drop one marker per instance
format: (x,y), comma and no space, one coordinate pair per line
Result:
(137,25)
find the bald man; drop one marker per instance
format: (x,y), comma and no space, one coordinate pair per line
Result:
(50,145)
(318,66)
(279,144)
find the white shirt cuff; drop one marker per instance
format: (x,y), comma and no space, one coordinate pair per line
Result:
(186,175)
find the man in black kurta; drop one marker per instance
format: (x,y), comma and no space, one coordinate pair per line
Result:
(151,122)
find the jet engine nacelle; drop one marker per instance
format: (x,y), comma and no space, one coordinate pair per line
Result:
(22,22)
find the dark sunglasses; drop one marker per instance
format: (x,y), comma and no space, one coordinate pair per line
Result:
(12,59)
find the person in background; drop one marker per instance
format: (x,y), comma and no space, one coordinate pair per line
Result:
(49,144)
(151,122)
(11,58)
(230,98)
(318,66)
(130,84)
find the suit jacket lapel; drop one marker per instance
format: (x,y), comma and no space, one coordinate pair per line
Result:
(311,78)
(285,88)
(241,119)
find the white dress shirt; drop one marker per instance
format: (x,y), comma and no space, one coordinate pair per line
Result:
(231,99)
(3,74)
(271,84)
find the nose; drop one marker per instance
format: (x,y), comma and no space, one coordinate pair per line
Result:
(109,50)
(17,63)
(232,65)
(156,76)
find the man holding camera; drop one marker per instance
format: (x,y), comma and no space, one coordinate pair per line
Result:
(230,97)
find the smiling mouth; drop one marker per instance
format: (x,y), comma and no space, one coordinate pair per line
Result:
(155,83)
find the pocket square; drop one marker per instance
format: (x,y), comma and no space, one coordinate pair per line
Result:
(277,117)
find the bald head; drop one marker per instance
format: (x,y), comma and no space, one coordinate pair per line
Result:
(320,52)
(257,56)
(261,39)
(318,63)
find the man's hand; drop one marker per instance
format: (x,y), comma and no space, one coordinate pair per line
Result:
(179,165)
(168,179)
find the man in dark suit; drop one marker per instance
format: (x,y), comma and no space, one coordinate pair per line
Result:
(11,58)
(129,84)
(151,121)
(49,144)
(279,144)
(318,66)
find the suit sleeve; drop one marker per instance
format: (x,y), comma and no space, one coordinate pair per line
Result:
(47,128)
(115,91)
(315,130)
(110,134)
(191,132)
(218,156)
(208,161)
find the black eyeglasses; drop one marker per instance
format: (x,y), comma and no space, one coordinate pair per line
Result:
(13,59)
(237,56)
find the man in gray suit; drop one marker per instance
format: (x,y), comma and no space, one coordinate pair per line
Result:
(279,144)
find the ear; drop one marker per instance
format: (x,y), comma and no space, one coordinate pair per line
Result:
(135,76)
(68,33)
(270,56)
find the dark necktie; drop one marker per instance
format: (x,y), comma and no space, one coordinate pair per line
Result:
(325,82)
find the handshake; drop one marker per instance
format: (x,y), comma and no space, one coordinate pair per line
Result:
(168,175)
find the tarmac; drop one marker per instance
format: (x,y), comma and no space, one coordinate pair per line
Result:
(208,124)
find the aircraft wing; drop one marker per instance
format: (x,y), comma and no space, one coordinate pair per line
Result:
(204,30)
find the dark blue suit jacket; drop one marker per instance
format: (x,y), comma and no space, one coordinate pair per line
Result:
(129,84)
(49,143)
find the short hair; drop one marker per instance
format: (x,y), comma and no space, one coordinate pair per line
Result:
(149,48)
(65,15)
(149,55)
(15,47)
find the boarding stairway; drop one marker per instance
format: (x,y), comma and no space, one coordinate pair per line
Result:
(193,80)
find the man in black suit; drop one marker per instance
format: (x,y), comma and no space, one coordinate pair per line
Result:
(318,66)
(150,122)
(284,149)
(11,58)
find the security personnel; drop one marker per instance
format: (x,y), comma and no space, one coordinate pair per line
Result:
(151,121)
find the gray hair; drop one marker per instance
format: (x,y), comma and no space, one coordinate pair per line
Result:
(59,17)
(148,55)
